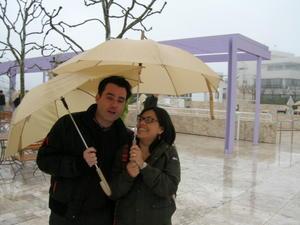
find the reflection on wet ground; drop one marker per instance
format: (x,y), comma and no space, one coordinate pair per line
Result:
(254,185)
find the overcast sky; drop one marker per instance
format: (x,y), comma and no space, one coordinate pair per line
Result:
(275,23)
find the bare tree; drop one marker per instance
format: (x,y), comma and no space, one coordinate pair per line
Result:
(131,14)
(21,31)
(28,26)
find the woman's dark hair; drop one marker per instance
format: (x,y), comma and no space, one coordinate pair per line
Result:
(117,80)
(164,120)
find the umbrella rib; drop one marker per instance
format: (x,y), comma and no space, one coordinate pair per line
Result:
(176,92)
(215,88)
(164,66)
(56,109)
(86,92)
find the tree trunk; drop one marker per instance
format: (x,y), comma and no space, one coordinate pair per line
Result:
(22,79)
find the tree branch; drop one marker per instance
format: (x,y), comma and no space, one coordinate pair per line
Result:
(53,27)
(146,12)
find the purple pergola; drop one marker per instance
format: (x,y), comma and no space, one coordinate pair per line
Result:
(222,48)
(229,48)
(32,65)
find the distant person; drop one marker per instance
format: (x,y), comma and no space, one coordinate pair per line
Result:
(2,101)
(151,101)
(17,101)
(140,101)
(15,98)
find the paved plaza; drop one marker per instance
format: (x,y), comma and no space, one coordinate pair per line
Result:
(257,185)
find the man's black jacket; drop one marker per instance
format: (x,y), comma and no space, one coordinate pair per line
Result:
(75,188)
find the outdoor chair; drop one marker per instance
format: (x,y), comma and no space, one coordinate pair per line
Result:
(5,118)
(7,161)
(28,155)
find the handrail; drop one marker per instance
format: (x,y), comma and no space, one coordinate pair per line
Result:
(292,123)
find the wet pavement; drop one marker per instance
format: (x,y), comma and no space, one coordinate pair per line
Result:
(257,185)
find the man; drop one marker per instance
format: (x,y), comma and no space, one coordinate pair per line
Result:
(2,101)
(76,196)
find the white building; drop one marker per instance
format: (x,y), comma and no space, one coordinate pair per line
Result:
(280,78)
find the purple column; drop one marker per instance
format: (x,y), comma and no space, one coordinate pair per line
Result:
(257,102)
(231,97)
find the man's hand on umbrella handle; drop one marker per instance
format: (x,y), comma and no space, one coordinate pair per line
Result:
(90,157)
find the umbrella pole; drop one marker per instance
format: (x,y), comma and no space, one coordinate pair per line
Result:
(137,111)
(103,183)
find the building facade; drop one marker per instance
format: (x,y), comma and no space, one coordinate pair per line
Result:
(280,79)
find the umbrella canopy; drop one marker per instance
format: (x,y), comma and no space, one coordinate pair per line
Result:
(165,69)
(41,106)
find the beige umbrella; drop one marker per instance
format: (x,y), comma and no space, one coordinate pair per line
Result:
(165,69)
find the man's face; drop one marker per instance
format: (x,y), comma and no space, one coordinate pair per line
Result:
(110,104)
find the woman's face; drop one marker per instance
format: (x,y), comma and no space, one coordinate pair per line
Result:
(148,127)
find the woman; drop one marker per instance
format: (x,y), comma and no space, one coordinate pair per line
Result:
(146,181)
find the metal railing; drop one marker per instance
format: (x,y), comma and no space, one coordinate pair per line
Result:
(292,128)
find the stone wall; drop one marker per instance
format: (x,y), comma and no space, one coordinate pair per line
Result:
(203,125)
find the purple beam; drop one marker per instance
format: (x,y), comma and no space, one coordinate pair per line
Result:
(257,102)
(37,64)
(241,56)
(255,48)
(202,45)
(231,98)
(7,66)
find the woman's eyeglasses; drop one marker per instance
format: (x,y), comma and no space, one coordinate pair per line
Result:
(147,119)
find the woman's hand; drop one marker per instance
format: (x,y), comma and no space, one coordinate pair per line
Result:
(133,169)
(90,157)
(136,155)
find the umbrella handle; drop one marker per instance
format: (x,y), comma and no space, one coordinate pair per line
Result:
(103,183)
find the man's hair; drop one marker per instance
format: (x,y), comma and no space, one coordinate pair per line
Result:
(117,80)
